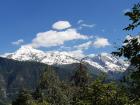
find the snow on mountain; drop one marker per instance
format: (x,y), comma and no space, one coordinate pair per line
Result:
(104,61)
(107,62)
(27,53)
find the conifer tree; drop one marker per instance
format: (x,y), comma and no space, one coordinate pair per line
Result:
(24,98)
(80,77)
(80,81)
(99,93)
(51,87)
(131,51)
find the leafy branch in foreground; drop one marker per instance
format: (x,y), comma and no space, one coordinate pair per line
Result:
(134,16)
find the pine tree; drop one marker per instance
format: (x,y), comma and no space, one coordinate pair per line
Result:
(134,16)
(51,87)
(80,80)
(24,98)
(131,51)
(81,76)
(99,93)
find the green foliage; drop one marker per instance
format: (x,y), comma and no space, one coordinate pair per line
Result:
(42,103)
(81,77)
(134,16)
(80,80)
(51,87)
(17,74)
(131,51)
(49,79)
(99,93)
(52,91)
(24,98)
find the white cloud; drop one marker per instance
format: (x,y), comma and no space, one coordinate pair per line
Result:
(55,38)
(78,53)
(59,37)
(88,25)
(80,21)
(101,42)
(98,43)
(84,46)
(126,10)
(18,42)
(60,25)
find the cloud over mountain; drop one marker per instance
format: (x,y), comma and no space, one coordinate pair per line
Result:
(55,38)
(60,25)
(98,43)
(63,36)
(18,42)
(101,42)
(85,45)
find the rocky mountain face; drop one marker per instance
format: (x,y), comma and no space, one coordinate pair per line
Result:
(104,62)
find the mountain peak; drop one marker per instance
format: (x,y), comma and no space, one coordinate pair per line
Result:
(104,61)
(27,48)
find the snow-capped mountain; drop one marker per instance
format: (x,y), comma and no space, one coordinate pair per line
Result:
(27,53)
(107,62)
(104,61)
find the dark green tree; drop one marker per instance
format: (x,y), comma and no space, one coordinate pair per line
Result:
(53,89)
(100,93)
(80,80)
(24,98)
(134,16)
(37,94)
(131,51)
(81,76)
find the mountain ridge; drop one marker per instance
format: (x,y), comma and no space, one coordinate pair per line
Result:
(104,61)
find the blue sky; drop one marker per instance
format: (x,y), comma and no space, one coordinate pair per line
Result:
(22,20)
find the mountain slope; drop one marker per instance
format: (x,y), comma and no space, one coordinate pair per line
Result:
(104,62)
(15,75)
(24,67)
(29,54)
